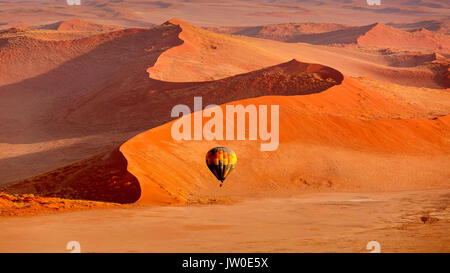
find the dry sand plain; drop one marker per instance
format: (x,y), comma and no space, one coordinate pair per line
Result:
(415,221)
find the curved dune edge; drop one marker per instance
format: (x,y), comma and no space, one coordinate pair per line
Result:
(326,150)
(410,140)
(376,34)
(103,177)
(205,56)
(346,135)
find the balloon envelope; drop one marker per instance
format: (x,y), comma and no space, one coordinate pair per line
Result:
(221,161)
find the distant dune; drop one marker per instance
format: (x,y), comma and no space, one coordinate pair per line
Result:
(378,34)
(142,13)
(439,26)
(385,36)
(281,32)
(227,55)
(77,24)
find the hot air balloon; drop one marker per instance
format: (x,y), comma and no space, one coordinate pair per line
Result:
(221,161)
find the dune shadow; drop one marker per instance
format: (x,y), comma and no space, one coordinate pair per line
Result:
(103,177)
(34,108)
(95,93)
(123,98)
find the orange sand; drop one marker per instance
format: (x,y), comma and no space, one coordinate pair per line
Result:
(85,115)
(337,133)
(29,204)
(325,222)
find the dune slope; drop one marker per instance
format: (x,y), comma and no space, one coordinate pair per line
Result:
(377,34)
(359,142)
(353,135)
(41,79)
(78,24)
(103,177)
(106,180)
(224,55)
(385,136)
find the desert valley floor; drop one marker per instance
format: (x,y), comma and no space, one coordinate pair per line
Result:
(332,222)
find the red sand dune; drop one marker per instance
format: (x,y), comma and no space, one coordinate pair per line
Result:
(385,36)
(78,93)
(103,177)
(280,32)
(378,34)
(36,70)
(77,24)
(440,25)
(141,107)
(138,13)
(353,133)
(349,137)
(24,56)
(90,179)
(40,81)
(226,55)
(206,55)
(325,144)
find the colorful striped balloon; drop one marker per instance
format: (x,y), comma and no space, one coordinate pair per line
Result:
(221,161)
